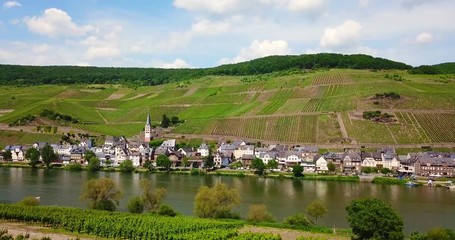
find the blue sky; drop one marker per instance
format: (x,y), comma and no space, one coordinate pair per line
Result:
(205,33)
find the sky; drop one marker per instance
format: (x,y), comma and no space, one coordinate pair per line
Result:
(207,33)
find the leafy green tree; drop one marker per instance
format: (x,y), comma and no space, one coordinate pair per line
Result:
(32,155)
(164,162)
(367,170)
(272,164)
(7,155)
(316,210)
(152,199)
(331,167)
(258,165)
(48,155)
(216,202)
(374,219)
(135,205)
(174,120)
(297,170)
(259,213)
(185,162)
(209,162)
(149,165)
(88,155)
(102,194)
(127,166)
(165,121)
(94,164)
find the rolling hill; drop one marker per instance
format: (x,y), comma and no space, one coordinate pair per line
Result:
(321,107)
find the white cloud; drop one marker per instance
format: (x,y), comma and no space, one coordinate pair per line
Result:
(177,63)
(55,23)
(218,6)
(11,4)
(424,38)
(259,49)
(364,3)
(40,48)
(308,6)
(345,35)
(102,52)
(207,27)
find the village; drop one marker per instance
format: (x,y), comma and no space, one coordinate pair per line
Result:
(240,154)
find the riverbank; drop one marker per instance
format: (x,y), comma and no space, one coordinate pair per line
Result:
(375,179)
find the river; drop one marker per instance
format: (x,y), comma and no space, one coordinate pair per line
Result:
(421,207)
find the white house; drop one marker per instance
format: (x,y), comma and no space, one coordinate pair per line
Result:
(135,157)
(168,144)
(203,150)
(368,160)
(321,165)
(243,150)
(266,157)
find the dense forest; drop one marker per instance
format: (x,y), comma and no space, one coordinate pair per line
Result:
(36,75)
(443,68)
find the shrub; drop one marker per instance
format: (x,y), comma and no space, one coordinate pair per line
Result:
(216,202)
(259,213)
(74,167)
(166,210)
(298,220)
(136,205)
(29,201)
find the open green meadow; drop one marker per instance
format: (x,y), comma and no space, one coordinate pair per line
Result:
(294,108)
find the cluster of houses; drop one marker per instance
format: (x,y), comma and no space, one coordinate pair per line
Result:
(116,150)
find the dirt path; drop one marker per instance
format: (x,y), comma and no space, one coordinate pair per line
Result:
(37,232)
(344,133)
(289,234)
(101,115)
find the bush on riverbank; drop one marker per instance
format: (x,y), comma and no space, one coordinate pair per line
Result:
(385,180)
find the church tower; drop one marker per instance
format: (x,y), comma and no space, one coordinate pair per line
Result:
(147,129)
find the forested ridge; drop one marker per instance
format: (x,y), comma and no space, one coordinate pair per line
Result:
(37,75)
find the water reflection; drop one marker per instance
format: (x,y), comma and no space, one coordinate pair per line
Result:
(421,207)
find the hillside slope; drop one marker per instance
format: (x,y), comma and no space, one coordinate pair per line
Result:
(37,75)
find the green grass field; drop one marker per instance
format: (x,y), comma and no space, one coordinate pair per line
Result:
(298,108)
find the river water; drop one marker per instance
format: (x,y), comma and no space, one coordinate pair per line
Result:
(421,207)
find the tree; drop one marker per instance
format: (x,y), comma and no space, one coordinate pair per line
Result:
(94,164)
(152,199)
(135,205)
(102,194)
(209,162)
(259,213)
(315,210)
(185,162)
(258,165)
(164,162)
(127,166)
(216,202)
(174,120)
(165,121)
(149,165)
(48,155)
(439,233)
(32,154)
(331,167)
(166,210)
(7,155)
(272,164)
(88,155)
(297,170)
(374,219)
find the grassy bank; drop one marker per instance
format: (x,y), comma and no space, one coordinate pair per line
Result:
(387,180)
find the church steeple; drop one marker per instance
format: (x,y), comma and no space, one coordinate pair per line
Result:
(148,129)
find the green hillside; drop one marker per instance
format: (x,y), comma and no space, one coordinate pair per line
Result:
(295,107)
(37,75)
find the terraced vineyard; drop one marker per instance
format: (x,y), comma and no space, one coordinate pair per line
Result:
(297,107)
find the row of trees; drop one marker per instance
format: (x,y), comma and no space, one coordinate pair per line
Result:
(368,218)
(36,75)
(33,155)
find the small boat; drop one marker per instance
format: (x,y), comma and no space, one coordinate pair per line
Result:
(450,185)
(411,183)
